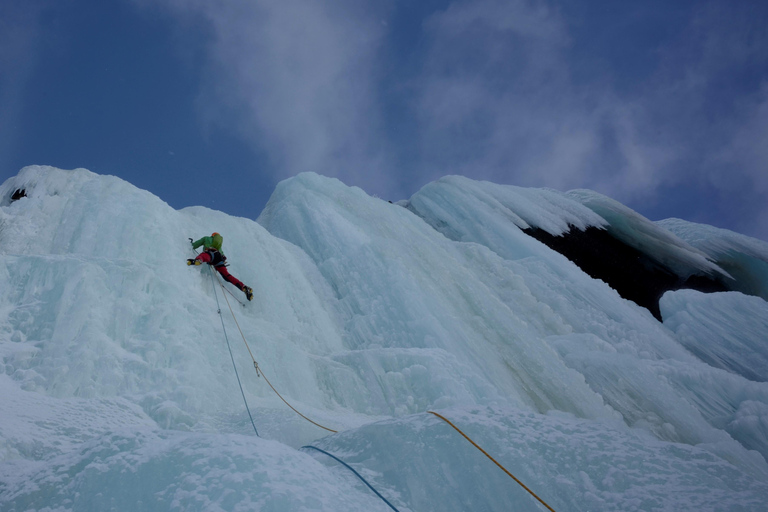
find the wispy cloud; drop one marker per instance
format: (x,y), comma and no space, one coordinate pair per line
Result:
(495,97)
(708,101)
(498,96)
(296,78)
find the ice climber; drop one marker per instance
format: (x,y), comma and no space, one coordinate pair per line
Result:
(213,256)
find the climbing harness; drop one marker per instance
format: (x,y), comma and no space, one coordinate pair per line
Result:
(217,260)
(494,460)
(355,472)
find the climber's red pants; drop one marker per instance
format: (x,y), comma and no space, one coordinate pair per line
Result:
(221,269)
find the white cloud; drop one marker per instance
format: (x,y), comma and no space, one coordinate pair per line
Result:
(496,96)
(296,78)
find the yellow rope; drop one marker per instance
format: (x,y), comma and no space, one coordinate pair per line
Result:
(494,460)
(260,372)
(238,327)
(294,410)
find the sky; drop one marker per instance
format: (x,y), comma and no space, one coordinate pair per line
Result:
(660,105)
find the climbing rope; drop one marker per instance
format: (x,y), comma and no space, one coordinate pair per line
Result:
(255,364)
(494,460)
(260,372)
(230,293)
(355,472)
(292,408)
(218,306)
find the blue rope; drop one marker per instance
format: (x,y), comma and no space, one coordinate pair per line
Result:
(218,306)
(355,472)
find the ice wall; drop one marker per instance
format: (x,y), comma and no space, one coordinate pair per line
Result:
(745,258)
(118,391)
(726,330)
(466,327)
(607,240)
(642,234)
(98,300)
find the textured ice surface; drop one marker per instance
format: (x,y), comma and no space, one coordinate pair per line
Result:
(117,389)
(726,330)
(646,236)
(745,258)
(550,210)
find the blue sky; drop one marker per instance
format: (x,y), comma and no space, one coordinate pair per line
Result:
(660,105)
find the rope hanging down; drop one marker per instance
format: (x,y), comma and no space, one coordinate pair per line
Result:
(260,372)
(355,472)
(494,460)
(218,306)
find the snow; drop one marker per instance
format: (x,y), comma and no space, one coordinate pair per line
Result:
(117,390)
